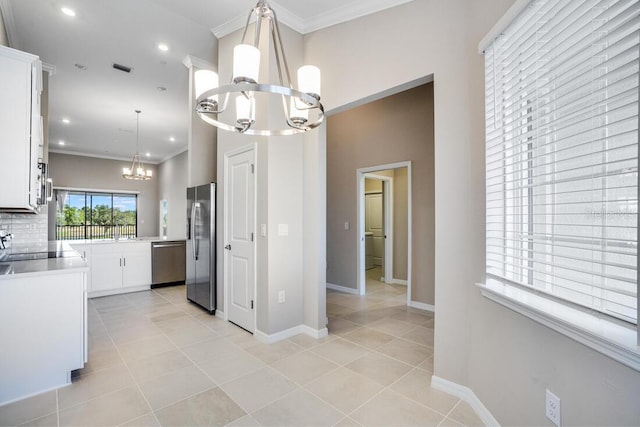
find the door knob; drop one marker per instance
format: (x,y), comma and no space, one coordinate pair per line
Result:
(228,247)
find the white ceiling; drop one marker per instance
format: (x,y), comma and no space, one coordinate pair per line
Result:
(100,101)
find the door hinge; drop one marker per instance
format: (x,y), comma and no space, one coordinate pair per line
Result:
(252,237)
(251,304)
(253,168)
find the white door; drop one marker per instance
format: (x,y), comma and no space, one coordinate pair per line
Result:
(239,237)
(374,222)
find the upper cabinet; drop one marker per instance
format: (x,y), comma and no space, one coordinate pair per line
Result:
(21,132)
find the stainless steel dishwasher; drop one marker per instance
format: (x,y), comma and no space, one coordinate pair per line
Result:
(168,260)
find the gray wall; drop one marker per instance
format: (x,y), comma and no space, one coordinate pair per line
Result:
(506,359)
(103,174)
(172,187)
(393,129)
(4,41)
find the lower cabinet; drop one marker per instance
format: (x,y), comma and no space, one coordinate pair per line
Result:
(117,267)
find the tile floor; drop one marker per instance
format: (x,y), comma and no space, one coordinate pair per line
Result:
(156,359)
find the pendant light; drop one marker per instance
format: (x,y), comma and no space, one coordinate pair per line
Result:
(137,170)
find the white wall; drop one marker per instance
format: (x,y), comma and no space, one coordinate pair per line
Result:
(172,187)
(506,359)
(4,41)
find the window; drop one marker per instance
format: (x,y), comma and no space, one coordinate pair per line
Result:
(95,215)
(562,154)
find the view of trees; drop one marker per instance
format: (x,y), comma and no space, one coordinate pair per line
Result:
(99,215)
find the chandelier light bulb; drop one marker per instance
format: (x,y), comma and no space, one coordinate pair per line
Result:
(205,80)
(246,63)
(297,116)
(245,111)
(309,80)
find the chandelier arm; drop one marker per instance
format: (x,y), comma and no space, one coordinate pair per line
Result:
(275,50)
(258,27)
(246,26)
(284,56)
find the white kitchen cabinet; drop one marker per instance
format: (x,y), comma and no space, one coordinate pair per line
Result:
(119,267)
(84,250)
(21,139)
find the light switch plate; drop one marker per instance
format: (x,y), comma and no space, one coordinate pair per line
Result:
(283,229)
(263,230)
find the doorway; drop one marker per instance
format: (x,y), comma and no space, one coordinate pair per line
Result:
(377,222)
(239,241)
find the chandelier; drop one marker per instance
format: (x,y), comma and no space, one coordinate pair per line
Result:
(297,104)
(137,170)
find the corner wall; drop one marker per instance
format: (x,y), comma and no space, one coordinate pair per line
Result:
(172,187)
(4,40)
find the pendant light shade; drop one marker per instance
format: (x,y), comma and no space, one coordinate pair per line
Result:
(246,64)
(309,80)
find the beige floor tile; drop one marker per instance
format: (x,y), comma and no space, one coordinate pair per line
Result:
(379,368)
(348,422)
(166,315)
(416,385)
(139,332)
(369,338)
(102,359)
(246,421)
(420,335)
(245,340)
(28,409)
(304,367)
(93,385)
(297,409)
(344,389)
(391,326)
(270,353)
(419,319)
(340,351)
(364,317)
(218,325)
(210,408)
(209,350)
(186,337)
(140,349)
(391,409)
(230,366)
(427,365)
(158,364)
(406,351)
(337,310)
(174,386)
(46,421)
(450,422)
(178,324)
(465,415)
(255,390)
(148,420)
(106,410)
(338,326)
(306,341)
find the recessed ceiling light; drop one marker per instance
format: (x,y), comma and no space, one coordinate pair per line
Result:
(60,142)
(161,88)
(163,47)
(67,11)
(66,121)
(172,139)
(148,154)
(80,67)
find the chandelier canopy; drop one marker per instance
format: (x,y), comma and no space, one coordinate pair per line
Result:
(297,104)
(137,170)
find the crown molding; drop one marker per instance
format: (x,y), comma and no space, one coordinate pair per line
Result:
(9,23)
(171,156)
(100,156)
(323,20)
(49,68)
(191,61)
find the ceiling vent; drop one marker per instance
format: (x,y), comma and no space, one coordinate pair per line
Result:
(122,67)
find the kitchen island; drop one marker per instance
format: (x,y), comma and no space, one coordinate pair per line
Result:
(43,321)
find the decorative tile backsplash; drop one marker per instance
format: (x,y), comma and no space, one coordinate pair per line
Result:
(26,228)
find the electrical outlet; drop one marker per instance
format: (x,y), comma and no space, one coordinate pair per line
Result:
(281,297)
(552,408)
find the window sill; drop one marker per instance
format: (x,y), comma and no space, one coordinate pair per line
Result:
(619,342)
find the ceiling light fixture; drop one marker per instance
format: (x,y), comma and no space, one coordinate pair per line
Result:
(163,47)
(137,170)
(172,139)
(66,121)
(68,11)
(60,142)
(296,103)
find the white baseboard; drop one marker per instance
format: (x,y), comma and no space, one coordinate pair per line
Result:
(466,394)
(402,282)
(342,289)
(220,314)
(97,294)
(288,333)
(422,306)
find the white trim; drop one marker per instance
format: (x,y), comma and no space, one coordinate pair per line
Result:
(95,190)
(422,306)
(291,332)
(9,23)
(220,314)
(98,156)
(598,332)
(322,20)
(401,282)
(503,23)
(171,156)
(191,61)
(344,289)
(118,291)
(387,198)
(49,68)
(466,394)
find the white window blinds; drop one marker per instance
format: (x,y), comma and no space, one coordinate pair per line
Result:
(562,152)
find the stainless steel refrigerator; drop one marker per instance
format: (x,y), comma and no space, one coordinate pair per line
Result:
(201,246)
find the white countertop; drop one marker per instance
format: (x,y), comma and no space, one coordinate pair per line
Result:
(150,239)
(71,260)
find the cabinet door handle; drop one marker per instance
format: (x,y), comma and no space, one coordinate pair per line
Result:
(124,262)
(120,262)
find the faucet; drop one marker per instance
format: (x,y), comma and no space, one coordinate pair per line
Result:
(4,238)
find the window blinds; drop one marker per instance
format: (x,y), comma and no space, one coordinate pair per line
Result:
(562,152)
